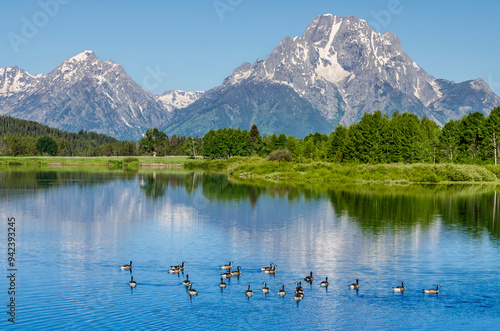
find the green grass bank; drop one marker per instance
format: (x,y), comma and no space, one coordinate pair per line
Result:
(324,172)
(256,168)
(137,162)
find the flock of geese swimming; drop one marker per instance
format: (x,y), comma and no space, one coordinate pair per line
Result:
(298,293)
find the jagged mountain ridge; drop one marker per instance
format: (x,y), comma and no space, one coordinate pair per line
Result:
(86,93)
(15,80)
(342,68)
(177,99)
(337,70)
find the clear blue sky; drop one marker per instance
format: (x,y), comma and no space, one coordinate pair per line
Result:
(456,40)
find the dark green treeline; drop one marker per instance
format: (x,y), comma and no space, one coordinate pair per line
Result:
(375,139)
(27,138)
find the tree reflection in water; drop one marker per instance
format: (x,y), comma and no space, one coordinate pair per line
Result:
(375,207)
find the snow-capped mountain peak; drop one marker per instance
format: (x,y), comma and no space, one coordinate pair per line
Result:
(15,80)
(83,56)
(335,60)
(84,64)
(337,70)
(83,92)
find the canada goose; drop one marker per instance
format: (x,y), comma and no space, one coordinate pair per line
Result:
(226,274)
(354,286)
(272,271)
(132,282)
(222,284)
(267,268)
(187,282)
(249,292)
(324,283)
(227,266)
(265,289)
(282,292)
(309,278)
(298,288)
(400,288)
(236,272)
(192,291)
(298,296)
(431,290)
(177,268)
(126,266)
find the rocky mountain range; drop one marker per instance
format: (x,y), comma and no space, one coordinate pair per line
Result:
(87,93)
(337,70)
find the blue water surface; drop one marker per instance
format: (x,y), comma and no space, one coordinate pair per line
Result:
(73,233)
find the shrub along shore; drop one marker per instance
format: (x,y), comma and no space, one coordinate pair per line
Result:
(257,168)
(325,172)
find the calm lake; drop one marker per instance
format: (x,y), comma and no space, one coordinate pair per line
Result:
(75,228)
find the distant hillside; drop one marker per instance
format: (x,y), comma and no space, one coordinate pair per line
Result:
(20,128)
(18,137)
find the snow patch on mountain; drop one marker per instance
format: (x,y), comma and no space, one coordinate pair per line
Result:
(177,99)
(15,80)
(328,66)
(342,68)
(83,56)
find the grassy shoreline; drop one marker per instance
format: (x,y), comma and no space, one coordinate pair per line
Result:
(256,168)
(113,161)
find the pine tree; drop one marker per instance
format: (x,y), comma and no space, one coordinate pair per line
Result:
(254,136)
(470,134)
(292,145)
(492,130)
(309,149)
(448,141)
(335,144)
(430,133)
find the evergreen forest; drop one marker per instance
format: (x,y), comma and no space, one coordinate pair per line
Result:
(375,139)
